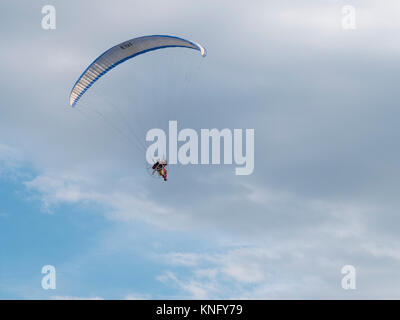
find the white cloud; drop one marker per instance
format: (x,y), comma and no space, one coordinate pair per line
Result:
(75,298)
(237,273)
(137,296)
(208,273)
(11,159)
(185,259)
(189,288)
(122,205)
(381,250)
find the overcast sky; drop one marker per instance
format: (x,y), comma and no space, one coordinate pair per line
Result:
(323,102)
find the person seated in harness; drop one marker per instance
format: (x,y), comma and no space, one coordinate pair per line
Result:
(159,166)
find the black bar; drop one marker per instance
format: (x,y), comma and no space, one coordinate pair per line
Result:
(199,309)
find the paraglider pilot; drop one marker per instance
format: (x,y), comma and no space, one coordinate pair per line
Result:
(159,166)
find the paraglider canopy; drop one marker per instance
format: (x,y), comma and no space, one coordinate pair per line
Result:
(122,52)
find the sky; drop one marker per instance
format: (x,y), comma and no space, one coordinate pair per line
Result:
(322,100)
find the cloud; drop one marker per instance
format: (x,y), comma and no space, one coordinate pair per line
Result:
(192,289)
(54,189)
(137,296)
(250,273)
(131,296)
(11,160)
(75,298)
(236,274)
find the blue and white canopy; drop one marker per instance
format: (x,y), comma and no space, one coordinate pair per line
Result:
(122,52)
